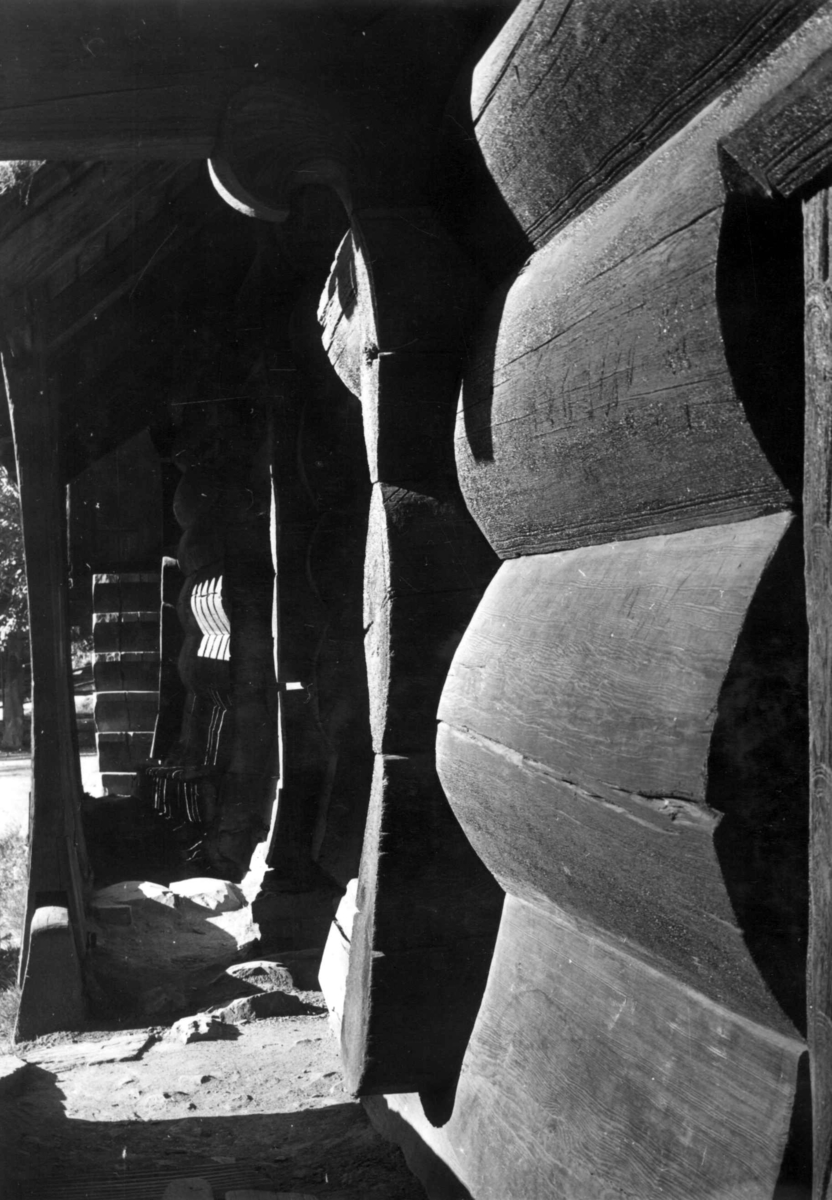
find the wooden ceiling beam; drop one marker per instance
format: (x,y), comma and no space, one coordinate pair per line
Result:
(121,273)
(106,197)
(135,393)
(112,81)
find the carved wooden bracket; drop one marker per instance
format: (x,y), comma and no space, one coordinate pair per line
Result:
(275,139)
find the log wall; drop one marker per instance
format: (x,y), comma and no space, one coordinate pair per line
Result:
(395,312)
(612,391)
(623,730)
(125,636)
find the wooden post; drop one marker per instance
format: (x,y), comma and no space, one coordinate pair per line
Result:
(817,499)
(54,936)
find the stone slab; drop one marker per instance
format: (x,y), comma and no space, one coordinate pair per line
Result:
(219,895)
(204,1027)
(263,974)
(264,1004)
(121,1048)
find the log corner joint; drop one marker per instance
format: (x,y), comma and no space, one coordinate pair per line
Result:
(786,145)
(275,139)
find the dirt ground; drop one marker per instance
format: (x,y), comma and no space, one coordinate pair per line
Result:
(263,1108)
(119,1110)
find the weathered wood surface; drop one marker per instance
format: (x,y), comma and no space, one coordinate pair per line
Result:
(57,856)
(98,84)
(818,537)
(275,139)
(71,230)
(623,649)
(787,144)
(125,615)
(115,514)
(591,1076)
(422,939)
(322,486)
(126,712)
(609,393)
(123,752)
(104,83)
(571,97)
(53,992)
(111,594)
(249,587)
(425,569)
(120,272)
(139,673)
(130,632)
(576,748)
(171,689)
(395,314)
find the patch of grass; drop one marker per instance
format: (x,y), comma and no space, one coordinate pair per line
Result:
(13,870)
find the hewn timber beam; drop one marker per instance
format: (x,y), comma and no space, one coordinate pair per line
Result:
(783,148)
(75,302)
(818,542)
(54,935)
(103,204)
(114,81)
(553,145)
(109,81)
(629,322)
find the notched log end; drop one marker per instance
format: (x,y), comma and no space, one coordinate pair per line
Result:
(741,173)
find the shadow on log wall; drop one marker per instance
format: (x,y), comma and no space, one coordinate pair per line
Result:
(758,778)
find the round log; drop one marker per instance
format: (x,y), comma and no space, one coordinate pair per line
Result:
(426,567)
(609,742)
(571,97)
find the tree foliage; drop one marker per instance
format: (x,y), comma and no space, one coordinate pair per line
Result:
(14,616)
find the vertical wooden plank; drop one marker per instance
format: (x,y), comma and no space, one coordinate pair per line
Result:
(817,501)
(57,855)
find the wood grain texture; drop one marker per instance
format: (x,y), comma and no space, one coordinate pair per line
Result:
(106,82)
(602,405)
(577,751)
(606,395)
(53,994)
(57,854)
(275,139)
(129,632)
(101,83)
(571,96)
(422,938)
(395,314)
(425,569)
(125,674)
(606,662)
(588,1075)
(121,270)
(644,871)
(818,540)
(75,223)
(787,144)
